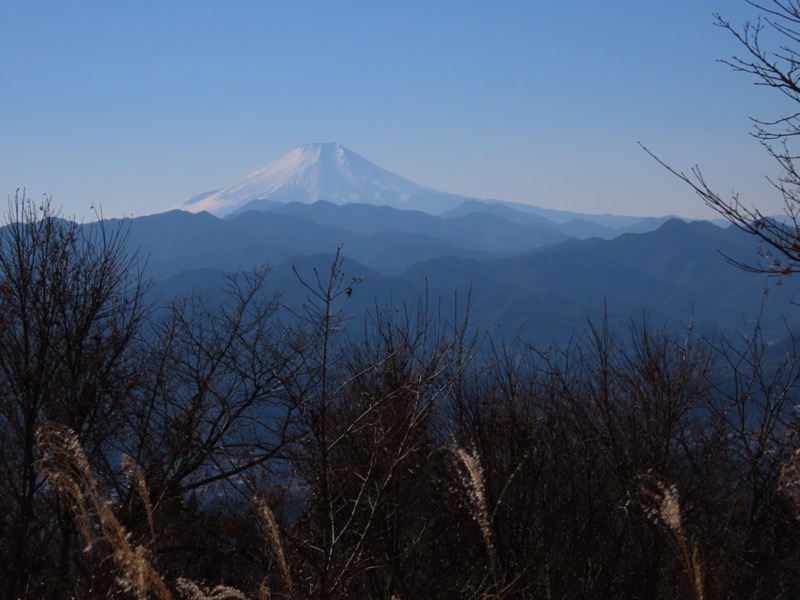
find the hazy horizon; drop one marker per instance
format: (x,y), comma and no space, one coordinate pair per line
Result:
(137,108)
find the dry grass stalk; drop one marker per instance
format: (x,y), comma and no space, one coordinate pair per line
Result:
(661,503)
(790,480)
(137,478)
(192,591)
(273,536)
(67,469)
(471,476)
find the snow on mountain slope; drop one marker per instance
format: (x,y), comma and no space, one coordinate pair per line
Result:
(323,172)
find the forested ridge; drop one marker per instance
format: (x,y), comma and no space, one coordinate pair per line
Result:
(236,444)
(164,449)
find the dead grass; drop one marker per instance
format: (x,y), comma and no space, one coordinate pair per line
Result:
(661,503)
(272,535)
(66,468)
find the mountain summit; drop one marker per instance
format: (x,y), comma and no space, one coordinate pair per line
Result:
(322,172)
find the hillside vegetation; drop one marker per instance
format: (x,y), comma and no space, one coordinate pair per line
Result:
(281,450)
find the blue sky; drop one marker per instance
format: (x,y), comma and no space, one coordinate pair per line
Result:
(137,106)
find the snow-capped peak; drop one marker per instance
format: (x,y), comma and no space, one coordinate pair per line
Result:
(320,171)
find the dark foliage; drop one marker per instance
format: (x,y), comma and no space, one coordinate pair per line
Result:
(293,452)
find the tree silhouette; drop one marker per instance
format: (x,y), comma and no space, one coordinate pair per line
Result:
(771,53)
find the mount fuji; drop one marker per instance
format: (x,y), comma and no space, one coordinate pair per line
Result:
(316,172)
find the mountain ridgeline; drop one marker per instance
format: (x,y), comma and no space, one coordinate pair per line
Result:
(540,273)
(492,401)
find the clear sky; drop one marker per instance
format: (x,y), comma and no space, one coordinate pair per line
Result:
(137,106)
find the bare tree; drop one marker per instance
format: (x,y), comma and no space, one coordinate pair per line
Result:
(71,300)
(771,53)
(367,456)
(208,423)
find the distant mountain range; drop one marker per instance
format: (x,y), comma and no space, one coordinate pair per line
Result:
(517,278)
(332,173)
(542,273)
